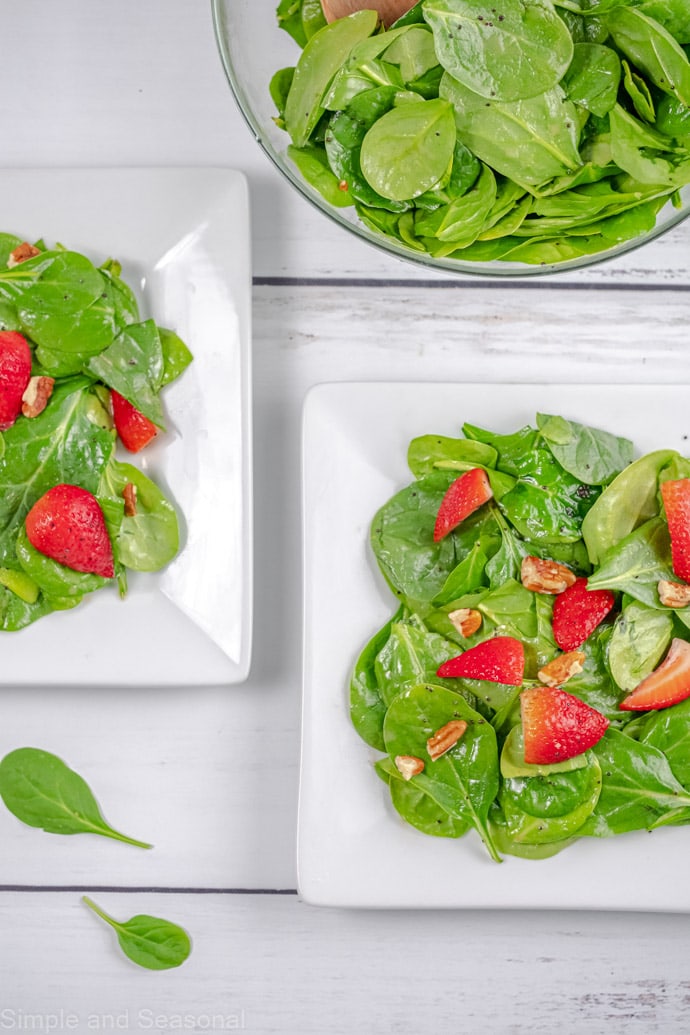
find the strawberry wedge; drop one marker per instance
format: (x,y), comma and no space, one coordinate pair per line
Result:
(557,725)
(67,525)
(668,684)
(676,497)
(499,660)
(577,612)
(465,495)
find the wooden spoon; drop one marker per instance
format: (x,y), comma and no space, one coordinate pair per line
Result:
(388,10)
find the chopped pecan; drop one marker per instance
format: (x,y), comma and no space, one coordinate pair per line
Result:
(559,671)
(445,738)
(408,766)
(21,253)
(36,395)
(543,576)
(129,494)
(466,620)
(673,594)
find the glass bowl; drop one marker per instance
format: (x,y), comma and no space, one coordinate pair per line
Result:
(253,48)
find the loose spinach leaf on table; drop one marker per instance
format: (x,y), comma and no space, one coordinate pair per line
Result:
(149,941)
(41,791)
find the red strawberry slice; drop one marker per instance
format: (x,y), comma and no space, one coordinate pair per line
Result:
(135,430)
(15,372)
(67,524)
(556,725)
(465,495)
(668,684)
(577,612)
(500,660)
(676,497)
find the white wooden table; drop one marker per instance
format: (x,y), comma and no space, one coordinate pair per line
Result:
(211,776)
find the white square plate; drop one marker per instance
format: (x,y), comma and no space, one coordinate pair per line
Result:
(353,849)
(182,236)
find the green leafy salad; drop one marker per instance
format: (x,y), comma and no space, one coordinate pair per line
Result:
(79,369)
(534,683)
(532,131)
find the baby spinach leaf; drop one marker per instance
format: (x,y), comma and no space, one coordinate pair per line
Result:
(8,242)
(645,154)
(148,941)
(289,14)
(529,141)
(321,58)
(638,787)
(673,119)
(176,355)
(637,563)
(461,220)
(547,503)
(592,456)
(652,49)
(133,365)
(629,501)
(413,52)
(16,613)
(464,781)
(593,77)
(367,707)
(668,731)
(425,452)
(149,539)
(407,150)
(639,93)
(41,791)
(417,807)
(411,655)
(552,806)
(465,577)
(516,49)
(511,449)
(638,642)
(312,163)
(62,444)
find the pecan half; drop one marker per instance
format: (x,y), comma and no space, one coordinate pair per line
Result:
(466,620)
(36,395)
(559,671)
(673,594)
(129,494)
(21,253)
(445,738)
(543,576)
(408,766)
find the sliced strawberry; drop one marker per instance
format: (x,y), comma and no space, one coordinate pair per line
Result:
(465,495)
(556,725)
(577,612)
(668,684)
(676,497)
(500,660)
(135,430)
(67,524)
(15,371)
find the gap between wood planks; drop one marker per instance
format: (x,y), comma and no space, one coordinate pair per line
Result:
(502,284)
(148,889)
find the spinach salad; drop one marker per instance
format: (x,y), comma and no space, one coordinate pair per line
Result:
(568,520)
(85,342)
(531,131)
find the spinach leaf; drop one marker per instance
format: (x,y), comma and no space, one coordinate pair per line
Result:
(637,563)
(417,807)
(529,141)
(407,151)
(464,781)
(320,60)
(426,451)
(367,707)
(55,580)
(41,791)
(652,49)
(148,941)
(515,50)
(629,501)
(149,539)
(552,806)
(592,456)
(638,788)
(593,77)
(133,365)
(638,642)
(547,503)
(176,356)
(411,655)
(668,731)
(511,449)
(312,163)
